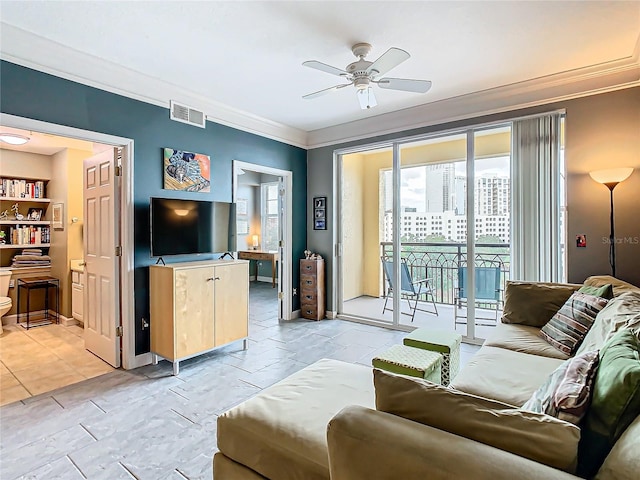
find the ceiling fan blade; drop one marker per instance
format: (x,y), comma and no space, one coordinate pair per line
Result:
(366,98)
(323,67)
(405,84)
(388,60)
(326,90)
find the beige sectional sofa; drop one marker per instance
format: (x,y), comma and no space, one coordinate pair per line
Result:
(321,423)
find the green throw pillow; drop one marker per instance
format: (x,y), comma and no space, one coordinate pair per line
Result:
(615,402)
(605,291)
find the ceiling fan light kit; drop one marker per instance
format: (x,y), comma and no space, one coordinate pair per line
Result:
(363,73)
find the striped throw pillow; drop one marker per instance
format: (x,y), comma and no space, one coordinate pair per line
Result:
(568,327)
(567,392)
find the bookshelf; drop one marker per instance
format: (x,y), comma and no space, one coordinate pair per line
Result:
(31,231)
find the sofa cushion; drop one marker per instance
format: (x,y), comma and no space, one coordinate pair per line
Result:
(504,375)
(567,392)
(531,435)
(282,432)
(227,468)
(619,286)
(615,403)
(623,312)
(568,327)
(623,462)
(524,339)
(605,291)
(534,303)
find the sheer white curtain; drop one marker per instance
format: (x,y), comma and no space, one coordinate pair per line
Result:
(535,199)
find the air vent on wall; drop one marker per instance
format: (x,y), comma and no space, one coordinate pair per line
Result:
(184,114)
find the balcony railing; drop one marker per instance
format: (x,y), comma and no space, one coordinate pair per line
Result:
(440,263)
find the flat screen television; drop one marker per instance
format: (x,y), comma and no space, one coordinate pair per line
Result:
(185,227)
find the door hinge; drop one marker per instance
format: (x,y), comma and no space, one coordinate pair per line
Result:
(118,251)
(119,331)
(280,243)
(280,295)
(118,170)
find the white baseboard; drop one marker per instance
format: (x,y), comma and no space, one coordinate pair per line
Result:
(13,318)
(331,314)
(10,319)
(266,279)
(66,321)
(295,314)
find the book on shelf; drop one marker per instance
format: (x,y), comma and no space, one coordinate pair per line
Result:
(29,235)
(18,188)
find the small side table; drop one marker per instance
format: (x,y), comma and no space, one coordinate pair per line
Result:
(440,341)
(411,361)
(38,283)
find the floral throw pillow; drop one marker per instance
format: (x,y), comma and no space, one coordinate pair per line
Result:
(568,327)
(566,394)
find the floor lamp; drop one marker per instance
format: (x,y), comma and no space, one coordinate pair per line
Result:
(611,178)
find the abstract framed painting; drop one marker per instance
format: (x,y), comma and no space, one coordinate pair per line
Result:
(186,171)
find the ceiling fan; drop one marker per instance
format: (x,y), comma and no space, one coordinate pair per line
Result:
(363,73)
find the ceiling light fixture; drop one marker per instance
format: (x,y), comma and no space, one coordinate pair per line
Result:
(13,138)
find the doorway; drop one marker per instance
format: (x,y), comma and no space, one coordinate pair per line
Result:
(69,222)
(262,196)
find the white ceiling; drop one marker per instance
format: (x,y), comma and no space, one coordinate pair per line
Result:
(44,143)
(241,62)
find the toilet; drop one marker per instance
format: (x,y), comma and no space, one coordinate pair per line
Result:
(5,301)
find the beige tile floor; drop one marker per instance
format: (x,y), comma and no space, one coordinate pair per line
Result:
(43,359)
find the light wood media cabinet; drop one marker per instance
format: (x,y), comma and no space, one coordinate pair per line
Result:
(196,307)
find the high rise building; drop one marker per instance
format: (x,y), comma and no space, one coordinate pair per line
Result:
(492,195)
(440,191)
(444,214)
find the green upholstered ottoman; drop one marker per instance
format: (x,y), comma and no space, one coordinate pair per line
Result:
(443,342)
(411,361)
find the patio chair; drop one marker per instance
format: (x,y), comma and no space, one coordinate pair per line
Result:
(409,290)
(487,293)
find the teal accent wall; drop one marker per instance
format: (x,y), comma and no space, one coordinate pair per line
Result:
(36,95)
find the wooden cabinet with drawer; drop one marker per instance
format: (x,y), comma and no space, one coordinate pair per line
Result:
(312,289)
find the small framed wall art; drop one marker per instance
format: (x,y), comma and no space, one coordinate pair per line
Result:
(319,213)
(186,171)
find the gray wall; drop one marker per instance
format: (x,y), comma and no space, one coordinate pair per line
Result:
(602,131)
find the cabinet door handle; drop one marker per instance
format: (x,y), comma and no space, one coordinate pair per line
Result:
(210,279)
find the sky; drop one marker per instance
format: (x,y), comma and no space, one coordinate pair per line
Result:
(414,178)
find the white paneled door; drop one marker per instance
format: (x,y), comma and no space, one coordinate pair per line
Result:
(100,237)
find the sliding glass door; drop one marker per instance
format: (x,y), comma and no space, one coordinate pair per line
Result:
(432,230)
(425,230)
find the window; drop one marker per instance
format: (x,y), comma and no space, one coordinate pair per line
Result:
(269,215)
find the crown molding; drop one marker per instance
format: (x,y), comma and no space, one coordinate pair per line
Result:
(606,77)
(18,46)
